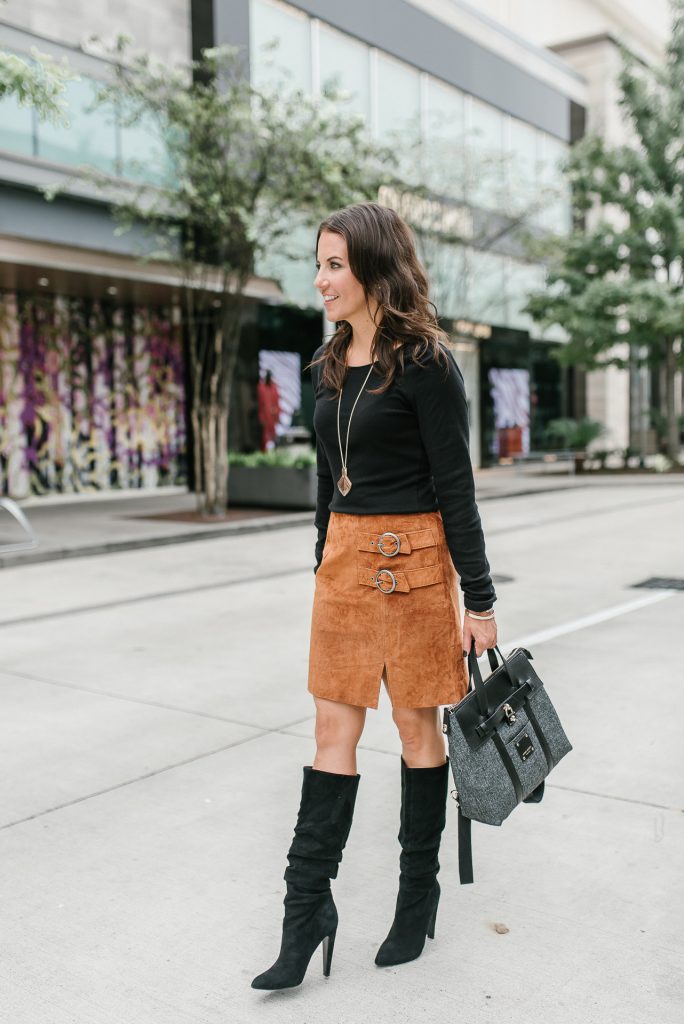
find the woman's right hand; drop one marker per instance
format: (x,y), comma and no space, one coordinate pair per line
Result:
(482,631)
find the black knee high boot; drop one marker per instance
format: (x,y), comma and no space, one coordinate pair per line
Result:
(325,816)
(423,816)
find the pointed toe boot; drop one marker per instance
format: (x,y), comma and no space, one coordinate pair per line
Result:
(310,919)
(423,816)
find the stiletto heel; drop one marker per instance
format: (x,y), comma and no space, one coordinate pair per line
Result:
(328,946)
(431,925)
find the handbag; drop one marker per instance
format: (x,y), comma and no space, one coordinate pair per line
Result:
(504,738)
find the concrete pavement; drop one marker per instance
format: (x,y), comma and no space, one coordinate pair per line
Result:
(155,721)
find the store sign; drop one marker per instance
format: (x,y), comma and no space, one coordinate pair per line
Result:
(430,215)
(473,330)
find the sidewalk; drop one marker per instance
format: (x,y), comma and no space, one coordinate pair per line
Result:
(71,527)
(156,719)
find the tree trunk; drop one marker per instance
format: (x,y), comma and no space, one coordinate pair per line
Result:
(222,459)
(673,445)
(213,431)
(214,357)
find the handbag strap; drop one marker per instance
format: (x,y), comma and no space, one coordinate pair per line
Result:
(465,849)
(475,676)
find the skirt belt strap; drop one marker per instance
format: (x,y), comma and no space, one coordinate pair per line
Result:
(408,541)
(404,580)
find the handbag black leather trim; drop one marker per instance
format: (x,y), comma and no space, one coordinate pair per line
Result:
(509,766)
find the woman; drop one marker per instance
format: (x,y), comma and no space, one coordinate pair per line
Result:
(397,525)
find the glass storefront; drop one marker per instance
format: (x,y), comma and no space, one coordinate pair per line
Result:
(522,388)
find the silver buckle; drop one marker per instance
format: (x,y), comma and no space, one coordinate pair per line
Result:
(386,572)
(389,554)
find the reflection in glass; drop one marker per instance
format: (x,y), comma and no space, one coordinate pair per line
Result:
(486,298)
(521,280)
(398,106)
(345,65)
(556,216)
(446,268)
(443,164)
(485,155)
(16,126)
(521,166)
(290,61)
(91,137)
(144,156)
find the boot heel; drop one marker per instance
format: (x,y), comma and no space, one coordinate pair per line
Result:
(328,946)
(431,924)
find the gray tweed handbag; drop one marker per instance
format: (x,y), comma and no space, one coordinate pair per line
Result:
(504,738)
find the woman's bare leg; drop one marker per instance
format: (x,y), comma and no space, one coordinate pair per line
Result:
(422,739)
(338,730)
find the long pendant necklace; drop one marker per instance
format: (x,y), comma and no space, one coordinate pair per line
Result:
(344,484)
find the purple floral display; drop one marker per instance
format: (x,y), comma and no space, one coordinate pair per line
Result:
(92,396)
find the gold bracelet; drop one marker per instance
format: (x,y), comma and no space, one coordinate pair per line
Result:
(474,615)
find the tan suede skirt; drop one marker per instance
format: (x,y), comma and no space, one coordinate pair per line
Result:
(386,609)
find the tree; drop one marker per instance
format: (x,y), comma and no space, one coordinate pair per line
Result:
(620,279)
(241,166)
(38,83)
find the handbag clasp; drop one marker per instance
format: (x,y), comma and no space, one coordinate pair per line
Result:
(509,713)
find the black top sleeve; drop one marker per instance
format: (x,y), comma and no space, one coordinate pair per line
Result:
(442,412)
(323,498)
(324,491)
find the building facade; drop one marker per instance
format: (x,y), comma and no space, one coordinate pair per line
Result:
(588,36)
(492,117)
(93,379)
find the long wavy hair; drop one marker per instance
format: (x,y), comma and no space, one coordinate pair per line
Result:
(382,257)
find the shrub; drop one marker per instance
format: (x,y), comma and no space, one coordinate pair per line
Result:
(275,457)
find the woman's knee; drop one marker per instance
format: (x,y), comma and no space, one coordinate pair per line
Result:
(417,726)
(338,724)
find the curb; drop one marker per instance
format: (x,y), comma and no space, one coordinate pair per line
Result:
(35,557)
(277,522)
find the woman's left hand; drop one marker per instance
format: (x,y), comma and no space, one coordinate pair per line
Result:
(482,631)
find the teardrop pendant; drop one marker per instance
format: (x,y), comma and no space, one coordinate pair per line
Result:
(344,483)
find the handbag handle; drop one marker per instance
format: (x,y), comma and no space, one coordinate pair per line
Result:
(475,676)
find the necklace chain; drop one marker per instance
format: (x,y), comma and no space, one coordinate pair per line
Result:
(344,483)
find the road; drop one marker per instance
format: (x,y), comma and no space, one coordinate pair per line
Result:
(155,722)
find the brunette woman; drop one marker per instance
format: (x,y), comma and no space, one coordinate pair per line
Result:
(398,526)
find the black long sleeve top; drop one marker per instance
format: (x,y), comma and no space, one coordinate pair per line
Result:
(408,452)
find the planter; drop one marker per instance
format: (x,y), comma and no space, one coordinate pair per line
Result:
(273,486)
(580,459)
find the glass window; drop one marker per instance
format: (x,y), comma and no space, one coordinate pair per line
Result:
(444,138)
(521,165)
(290,61)
(293,268)
(521,280)
(398,115)
(144,156)
(486,300)
(16,124)
(398,98)
(345,64)
(446,270)
(444,112)
(485,155)
(556,215)
(91,136)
